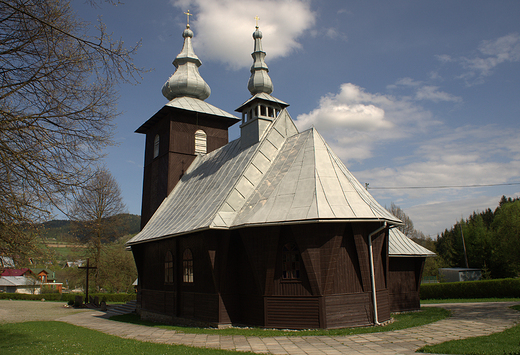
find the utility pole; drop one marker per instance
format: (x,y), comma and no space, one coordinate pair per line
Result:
(464,246)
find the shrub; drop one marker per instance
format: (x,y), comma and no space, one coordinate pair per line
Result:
(68,297)
(503,288)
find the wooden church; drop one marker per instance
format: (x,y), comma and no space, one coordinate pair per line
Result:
(268,230)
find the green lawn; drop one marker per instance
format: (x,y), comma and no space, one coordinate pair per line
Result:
(42,338)
(504,343)
(402,321)
(469,300)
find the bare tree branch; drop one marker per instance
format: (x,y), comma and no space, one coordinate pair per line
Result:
(57,107)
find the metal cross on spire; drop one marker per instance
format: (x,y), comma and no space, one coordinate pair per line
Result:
(257,18)
(188,17)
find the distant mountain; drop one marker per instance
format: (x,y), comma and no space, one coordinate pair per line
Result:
(61,230)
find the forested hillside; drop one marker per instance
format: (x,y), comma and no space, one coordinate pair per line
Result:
(492,241)
(64,230)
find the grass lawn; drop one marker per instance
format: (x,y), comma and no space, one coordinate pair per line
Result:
(42,338)
(402,321)
(470,300)
(504,343)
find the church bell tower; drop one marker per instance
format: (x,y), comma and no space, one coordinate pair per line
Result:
(185,127)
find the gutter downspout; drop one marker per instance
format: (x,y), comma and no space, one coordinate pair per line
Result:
(372,272)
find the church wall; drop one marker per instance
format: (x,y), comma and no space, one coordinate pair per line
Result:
(237,277)
(405,279)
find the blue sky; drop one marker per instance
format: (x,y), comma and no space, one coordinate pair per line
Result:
(407,93)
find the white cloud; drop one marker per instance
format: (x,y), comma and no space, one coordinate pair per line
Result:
(353,121)
(459,157)
(491,53)
(432,93)
(223,28)
(424,92)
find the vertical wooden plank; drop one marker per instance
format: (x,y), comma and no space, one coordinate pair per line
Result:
(362,253)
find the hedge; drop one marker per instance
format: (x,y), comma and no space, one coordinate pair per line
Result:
(503,288)
(66,297)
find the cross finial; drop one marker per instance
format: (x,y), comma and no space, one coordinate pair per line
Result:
(188,17)
(257,18)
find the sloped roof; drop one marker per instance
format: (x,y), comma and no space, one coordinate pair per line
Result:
(287,177)
(308,182)
(17,281)
(15,272)
(187,103)
(400,245)
(262,96)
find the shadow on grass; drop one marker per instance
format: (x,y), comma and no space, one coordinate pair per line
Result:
(401,321)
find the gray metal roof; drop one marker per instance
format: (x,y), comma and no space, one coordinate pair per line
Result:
(265,97)
(191,104)
(400,245)
(17,281)
(188,104)
(287,177)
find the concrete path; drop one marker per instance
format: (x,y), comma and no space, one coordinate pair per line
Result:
(468,320)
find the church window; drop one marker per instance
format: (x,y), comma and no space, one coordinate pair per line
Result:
(187,266)
(156,146)
(262,110)
(270,111)
(168,268)
(290,262)
(200,142)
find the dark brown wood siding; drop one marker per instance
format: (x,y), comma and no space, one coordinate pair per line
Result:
(349,310)
(237,276)
(404,283)
(292,312)
(176,132)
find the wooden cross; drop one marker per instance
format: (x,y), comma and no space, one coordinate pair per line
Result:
(257,18)
(188,16)
(88,268)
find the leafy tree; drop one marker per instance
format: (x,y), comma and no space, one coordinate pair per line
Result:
(57,105)
(431,265)
(95,211)
(506,233)
(117,268)
(492,241)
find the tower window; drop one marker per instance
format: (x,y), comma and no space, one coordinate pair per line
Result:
(156,146)
(262,111)
(187,266)
(270,112)
(290,262)
(168,268)
(200,142)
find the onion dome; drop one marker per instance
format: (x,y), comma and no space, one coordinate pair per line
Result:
(259,81)
(186,81)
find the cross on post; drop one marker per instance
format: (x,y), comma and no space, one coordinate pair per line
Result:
(257,18)
(188,17)
(88,268)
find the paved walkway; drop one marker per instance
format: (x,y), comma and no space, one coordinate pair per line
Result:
(468,320)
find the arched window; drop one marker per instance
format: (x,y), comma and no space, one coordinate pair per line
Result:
(168,268)
(187,266)
(200,142)
(156,146)
(290,262)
